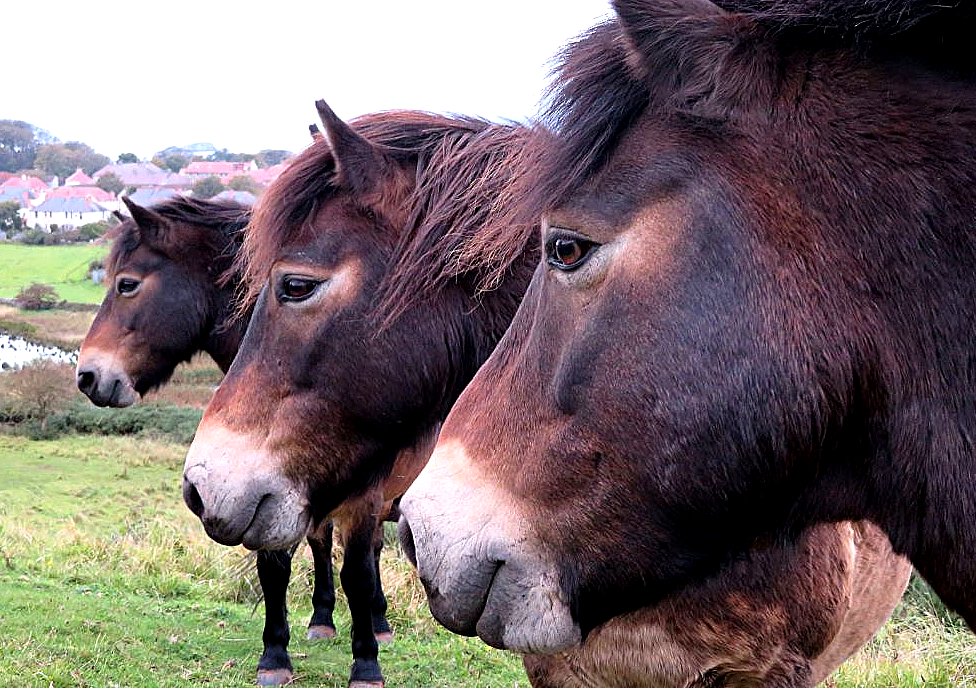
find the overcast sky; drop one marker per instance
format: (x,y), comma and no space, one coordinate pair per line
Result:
(140,76)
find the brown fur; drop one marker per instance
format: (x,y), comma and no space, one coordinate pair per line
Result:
(832,590)
(774,329)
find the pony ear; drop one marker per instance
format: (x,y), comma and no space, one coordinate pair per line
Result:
(316,133)
(118,216)
(152,226)
(684,48)
(361,166)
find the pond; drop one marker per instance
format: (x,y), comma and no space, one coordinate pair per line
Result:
(16,351)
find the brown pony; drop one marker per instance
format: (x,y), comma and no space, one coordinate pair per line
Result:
(755,311)
(171,296)
(324,390)
(373,312)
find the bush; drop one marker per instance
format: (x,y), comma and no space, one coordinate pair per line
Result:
(170,422)
(92,230)
(207,187)
(37,297)
(35,237)
(36,391)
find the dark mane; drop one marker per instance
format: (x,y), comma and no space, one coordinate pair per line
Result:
(460,198)
(859,19)
(221,222)
(713,68)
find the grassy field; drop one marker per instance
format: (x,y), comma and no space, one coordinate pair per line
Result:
(106,579)
(62,267)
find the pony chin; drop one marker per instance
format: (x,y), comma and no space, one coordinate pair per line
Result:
(238,492)
(483,572)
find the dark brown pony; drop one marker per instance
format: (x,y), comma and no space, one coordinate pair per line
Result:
(373,312)
(333,404)
(756,311)
(171,296)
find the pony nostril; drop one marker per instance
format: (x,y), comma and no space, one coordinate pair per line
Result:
(192,498)
(87,381)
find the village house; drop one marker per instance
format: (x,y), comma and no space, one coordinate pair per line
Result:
(33,185)
(224,171)
(143,175)
(78,178)
(64,212)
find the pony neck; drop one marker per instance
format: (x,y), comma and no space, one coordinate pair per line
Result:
(226,327)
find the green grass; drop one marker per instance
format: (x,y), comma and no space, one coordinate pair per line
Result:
(107,579)
(63,267)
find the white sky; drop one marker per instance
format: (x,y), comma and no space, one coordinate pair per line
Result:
(140,76)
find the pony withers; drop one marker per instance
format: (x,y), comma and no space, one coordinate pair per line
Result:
(755,312)
(171,296)
(373,310)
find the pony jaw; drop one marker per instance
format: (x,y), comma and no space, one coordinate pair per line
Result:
(234,485)
(478,562)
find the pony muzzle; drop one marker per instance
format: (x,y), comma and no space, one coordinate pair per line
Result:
(104,381)
(481,567)
(240,496)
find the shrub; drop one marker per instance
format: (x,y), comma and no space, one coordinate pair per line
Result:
(92,230)
(36,391)
(207,187)
(170,422)
(37,297)
(34,237)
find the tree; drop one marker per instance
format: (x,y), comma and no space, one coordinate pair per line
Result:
(269,157)
(64,159)
(17,146)
(110,182)
(172,162)
(128,158)
(208,187)
(9,218)
(244,183)
(225,156)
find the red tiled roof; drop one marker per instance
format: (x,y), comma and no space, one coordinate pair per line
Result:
(204,167)
(81,192)
(32,183)
(266,176)
(134,174)
(78,177)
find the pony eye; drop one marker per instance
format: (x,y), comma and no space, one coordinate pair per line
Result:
(127,286)
(293,288)
(568,252)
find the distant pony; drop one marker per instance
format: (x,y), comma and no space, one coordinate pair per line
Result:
(172,295)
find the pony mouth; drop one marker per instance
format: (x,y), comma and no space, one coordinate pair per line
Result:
(265,530)
(512,602)
(120,394)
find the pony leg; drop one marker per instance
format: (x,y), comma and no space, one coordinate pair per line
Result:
(274,571)
(381,626)
(358,577)
(321,625)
